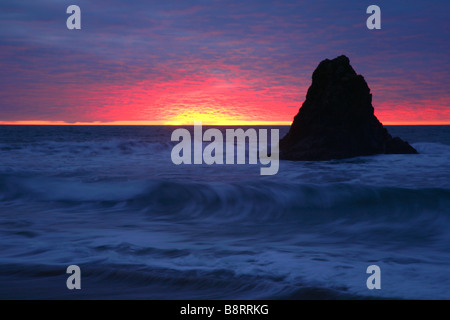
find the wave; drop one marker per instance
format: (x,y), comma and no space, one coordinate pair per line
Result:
(252,199)
(164,239)
(111,201)
(432,148)
(115,281)
(118,146)
(129,146)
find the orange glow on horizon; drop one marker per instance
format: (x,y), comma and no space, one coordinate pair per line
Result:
(152,123)
(206,122)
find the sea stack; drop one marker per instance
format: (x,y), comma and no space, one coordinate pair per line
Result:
(337,119)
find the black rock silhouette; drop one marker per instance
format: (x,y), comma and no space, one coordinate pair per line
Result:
(337,119)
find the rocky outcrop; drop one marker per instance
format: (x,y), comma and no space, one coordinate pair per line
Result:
(337,119)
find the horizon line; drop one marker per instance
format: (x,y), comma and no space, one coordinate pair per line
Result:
(183,123)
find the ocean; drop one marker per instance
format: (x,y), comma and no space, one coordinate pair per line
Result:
(110,200)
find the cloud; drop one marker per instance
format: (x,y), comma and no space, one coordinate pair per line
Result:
(139,60)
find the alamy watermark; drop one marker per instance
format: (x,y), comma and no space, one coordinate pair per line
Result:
(213,153)
(374,280)
(74,280)
(374,21)
(74,20)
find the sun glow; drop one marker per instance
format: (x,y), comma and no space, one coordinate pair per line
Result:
(208,116)
(213,116)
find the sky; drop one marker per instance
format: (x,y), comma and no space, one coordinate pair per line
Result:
(222,62)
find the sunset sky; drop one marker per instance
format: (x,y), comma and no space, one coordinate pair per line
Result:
(223,62)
